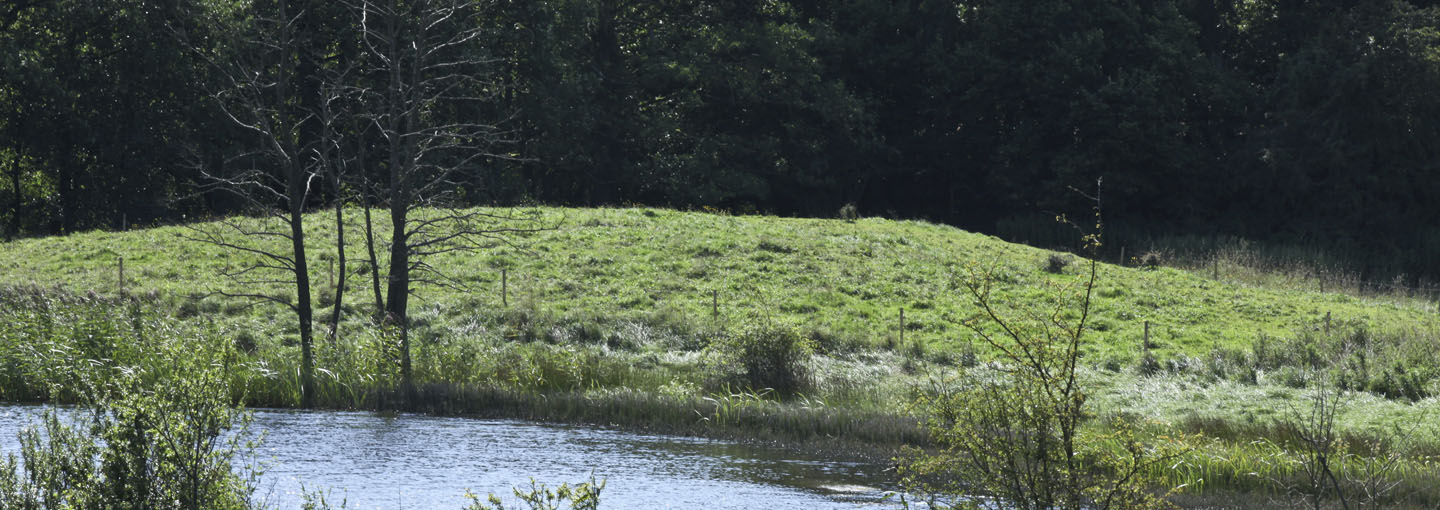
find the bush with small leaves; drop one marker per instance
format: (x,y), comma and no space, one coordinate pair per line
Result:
(762,356)
(582,496)
(1056,263)
(1151,260)
(170,446)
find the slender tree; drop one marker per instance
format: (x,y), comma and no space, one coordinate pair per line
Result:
(276,178)
(433,79)
(367,194)
(336,159)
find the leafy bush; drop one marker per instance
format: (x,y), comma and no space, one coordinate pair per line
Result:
(1395,366)
(170,446)
(1056,263)
(1151,260)
(582,496)
(764,356)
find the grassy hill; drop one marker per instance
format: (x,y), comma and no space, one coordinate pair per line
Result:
(613,316)
(845,281)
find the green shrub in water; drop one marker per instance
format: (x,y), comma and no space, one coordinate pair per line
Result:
(582,496)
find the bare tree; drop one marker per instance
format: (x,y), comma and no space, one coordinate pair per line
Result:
(432,79)
(17,197)
(338,157)
(1321,443)
(1013,431)
(367,194)
(276,176)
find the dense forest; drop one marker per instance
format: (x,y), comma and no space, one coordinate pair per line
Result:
(1305,122)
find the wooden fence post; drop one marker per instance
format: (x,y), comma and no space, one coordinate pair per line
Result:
(902,326)
(1145,343)
(504,287)
(715,304)
(121,280)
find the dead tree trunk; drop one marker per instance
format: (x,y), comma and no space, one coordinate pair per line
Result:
(434,76)
(284,162)
(303,310)
(365,194)
(16,198)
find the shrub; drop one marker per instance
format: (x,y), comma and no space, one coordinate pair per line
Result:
(1151,260)
(581,496)
(849,212)
(170,446)
(246,342)
(1013,434)
(1148,365)
(1056,263)
(764,356)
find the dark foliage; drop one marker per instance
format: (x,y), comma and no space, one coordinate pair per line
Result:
(1287,122)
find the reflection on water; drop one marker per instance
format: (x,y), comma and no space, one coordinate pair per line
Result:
(427,462)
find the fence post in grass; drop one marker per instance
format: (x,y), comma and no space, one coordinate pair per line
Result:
(121,278)
(1327,323)
(1145,342)
(1122,256)
(504,287)
(1215,267)
(902,326)
(715,304)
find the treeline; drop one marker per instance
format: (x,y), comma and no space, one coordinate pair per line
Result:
(1289,121)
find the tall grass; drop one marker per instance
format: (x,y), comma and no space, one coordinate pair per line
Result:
(609,320)
(55,346)
(1276,469)
(1311,266)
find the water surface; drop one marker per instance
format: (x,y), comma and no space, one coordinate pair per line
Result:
(423,462)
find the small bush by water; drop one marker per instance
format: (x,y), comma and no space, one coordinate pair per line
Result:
(135,445)
(762,356)
(581,496)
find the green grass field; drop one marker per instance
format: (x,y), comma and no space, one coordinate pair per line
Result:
(611,314)
(846,281)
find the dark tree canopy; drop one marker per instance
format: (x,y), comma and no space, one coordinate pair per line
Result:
(1287,121)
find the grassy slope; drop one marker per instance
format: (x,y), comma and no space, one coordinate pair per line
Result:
(846,280)
(646,276)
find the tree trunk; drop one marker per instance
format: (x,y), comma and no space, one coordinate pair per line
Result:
(302,288)
(398,291)
(609,140)
(374,261)
(399,287)
(340,255)
(296,196)
(365,202)
(65,188)
(16,198)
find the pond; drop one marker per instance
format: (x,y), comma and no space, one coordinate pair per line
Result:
(411,461)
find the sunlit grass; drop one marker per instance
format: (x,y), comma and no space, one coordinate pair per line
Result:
(609,317)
